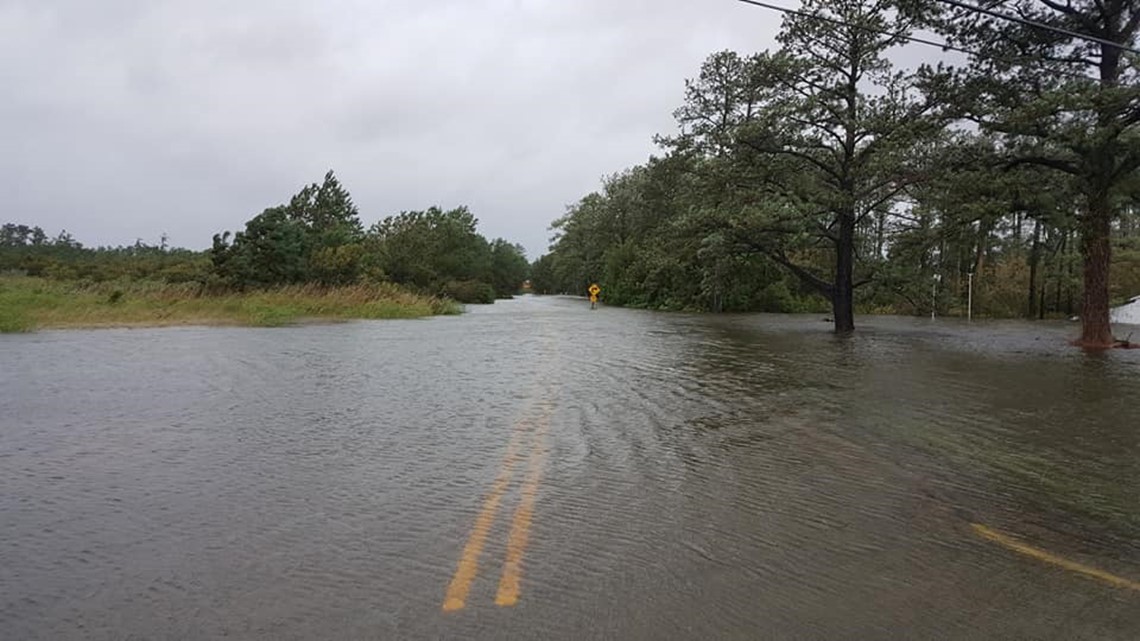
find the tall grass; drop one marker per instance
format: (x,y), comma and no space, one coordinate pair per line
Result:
(29,303)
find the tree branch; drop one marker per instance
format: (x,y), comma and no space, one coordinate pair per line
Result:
(1066,8)
(1043,161)
(824,287)
(819,164)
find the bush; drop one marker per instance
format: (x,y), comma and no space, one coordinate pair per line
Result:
(470,291)
(189,271)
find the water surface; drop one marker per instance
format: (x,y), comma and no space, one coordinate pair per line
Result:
(730,477)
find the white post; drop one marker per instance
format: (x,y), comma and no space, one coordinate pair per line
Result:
(970,299)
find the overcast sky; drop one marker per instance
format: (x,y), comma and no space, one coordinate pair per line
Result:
(125,119)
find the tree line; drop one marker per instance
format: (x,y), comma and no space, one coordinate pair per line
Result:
(820,176)
(28,250)
(316,237)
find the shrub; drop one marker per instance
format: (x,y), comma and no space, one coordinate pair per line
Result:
(470,291)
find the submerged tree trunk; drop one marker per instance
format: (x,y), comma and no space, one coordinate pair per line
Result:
(843,295)
(1096,225)
(1096,250)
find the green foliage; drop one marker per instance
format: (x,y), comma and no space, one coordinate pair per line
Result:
(803,176)
(337,264)
(1067,102)
(816,137)
(1125,282)
(649,242)
(317,237)
(273,250)
(327,212)
(63,258)
(17,235)
(310,257)
(469,291)
(783,160)
(432,250)
(542,277)
(509,268)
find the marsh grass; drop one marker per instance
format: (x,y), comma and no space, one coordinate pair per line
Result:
(27,304)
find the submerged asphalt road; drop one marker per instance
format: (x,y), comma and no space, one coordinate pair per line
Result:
(535,470)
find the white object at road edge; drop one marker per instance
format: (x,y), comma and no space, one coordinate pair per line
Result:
(1128,313)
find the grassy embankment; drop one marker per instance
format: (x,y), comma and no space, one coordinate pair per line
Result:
(28,304)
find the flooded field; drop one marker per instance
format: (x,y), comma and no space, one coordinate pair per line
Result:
(537,470)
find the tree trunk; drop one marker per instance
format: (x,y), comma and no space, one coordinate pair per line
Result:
(880,235)
(1068,274)
(1096,224)
(1034,259)
(843,295)
(1059,270)
(983,239)
(1096,251)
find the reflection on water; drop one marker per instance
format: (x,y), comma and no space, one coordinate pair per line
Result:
(744,476)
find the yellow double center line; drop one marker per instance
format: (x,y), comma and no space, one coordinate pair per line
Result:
(468,568)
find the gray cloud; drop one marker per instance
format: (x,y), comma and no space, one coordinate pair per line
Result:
(130,118)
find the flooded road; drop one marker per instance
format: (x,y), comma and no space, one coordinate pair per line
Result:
(535,470)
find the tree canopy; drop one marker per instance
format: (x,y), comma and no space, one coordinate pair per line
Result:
(804,175)
(316,237)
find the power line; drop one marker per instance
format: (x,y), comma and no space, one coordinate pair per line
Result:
(945,46)
(1038,25)
(881,32)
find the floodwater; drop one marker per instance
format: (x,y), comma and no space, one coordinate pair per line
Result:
(537,470)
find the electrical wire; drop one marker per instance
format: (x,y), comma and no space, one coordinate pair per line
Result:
(945,46)
(1038,25)
(881,32)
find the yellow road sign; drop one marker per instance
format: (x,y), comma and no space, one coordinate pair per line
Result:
(595,290)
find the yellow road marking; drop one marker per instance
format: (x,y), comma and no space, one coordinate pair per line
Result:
(469,562)
(520,529)
(1042,555)
(468,568)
